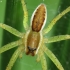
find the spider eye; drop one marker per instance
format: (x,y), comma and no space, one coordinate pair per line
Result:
(31,49)
(39,18)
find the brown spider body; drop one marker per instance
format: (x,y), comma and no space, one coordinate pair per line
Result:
(34,35)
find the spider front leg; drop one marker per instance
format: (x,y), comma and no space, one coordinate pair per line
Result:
(55,20)
(56,38)
(42,59)
(14,58)
(52,57)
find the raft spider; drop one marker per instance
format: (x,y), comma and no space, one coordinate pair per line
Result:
(33,41)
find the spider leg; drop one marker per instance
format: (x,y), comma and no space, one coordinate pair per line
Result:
(10,46)
(38,57)
(43,61)
(25,20)
(41,57)
(55,20)
(53,58)
(14,58)
(56,38)
(11,30)
(22,51)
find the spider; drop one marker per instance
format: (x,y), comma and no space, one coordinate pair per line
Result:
(33,41)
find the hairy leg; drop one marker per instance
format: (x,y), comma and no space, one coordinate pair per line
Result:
(52,57)
(11,30)
(25,20)
(55,20)
(43,61)
(56,38)
(41,57)
(14,58)
(10,46)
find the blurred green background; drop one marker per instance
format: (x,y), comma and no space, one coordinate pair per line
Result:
(11,14)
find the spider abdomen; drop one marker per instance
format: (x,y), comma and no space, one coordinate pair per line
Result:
(32,42)
(39,18)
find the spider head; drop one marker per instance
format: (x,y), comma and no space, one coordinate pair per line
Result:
(32,43)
